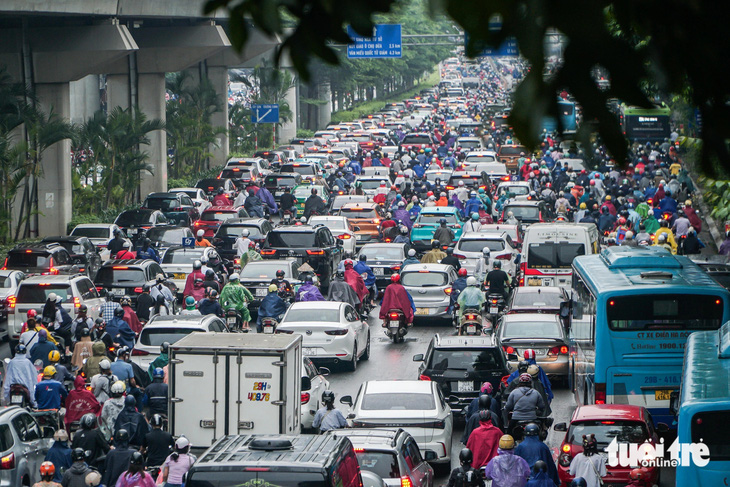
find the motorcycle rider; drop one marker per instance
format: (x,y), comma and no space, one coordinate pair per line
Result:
(465,475)
(209,305)
(155,394)
(144,302)
(484,404)
(314,204)
(200,240)
(147,251)
(120,331)
(241,244)
(539,476)
(272,306)
(368,276)
(42,349)
(288,202)
(308,291)
(80,401)
(524,403)
(62,373)
(253,205)
(133,422)
(456,288)
(193,283)
(507,469)
(328,417)
(20,370)
(483,440)
(470,298)
(129,314)
(235,295)
(403,236)
(101,382)
(117,459)
(497,280)
(76,475)
(435,255)
(341,291)
(451,260)
(482,267)
(588,464)
(530,358)
(284,287)
(190,308)
(397,297)
(411,259)
(472,225)
(444,234)
(356,281)
(49,393)
(89,438)
(157,444)
(533,450)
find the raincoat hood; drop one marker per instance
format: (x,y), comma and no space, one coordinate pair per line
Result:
(98,349)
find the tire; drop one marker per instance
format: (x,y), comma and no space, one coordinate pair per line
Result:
(352,365)
(366,353)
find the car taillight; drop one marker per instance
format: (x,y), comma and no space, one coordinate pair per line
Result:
(305,397)
(268,252)
(77,302)
(450,187)
(285,332)
(315,252)
(387,240)
(523,269)
(460,256)
(12,299)
(395,268)
(448,291)
(423,377)
(600,393)
(376,221)
(7,462)
(508,349)
(138,290)
(565,456)
(197,224)
(417,225)
(344,236)
(341,332)
(136,352)
(504,257)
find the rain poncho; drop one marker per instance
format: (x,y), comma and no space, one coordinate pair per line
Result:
(483,443)
(396,297)
(237,296)
(342,292)
(198,292)
(79,402)
(20,370)
(357,283)
(541,479)
(112,407)
(532,450)
(507,470)
(272,306)
(132,421)
(433,256)
(121,332)
(309,292)
(542,375)
(471,297)
(403,217)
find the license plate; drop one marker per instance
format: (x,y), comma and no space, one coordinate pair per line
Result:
(662,395)
(179,275)
(16,399)
(262,292)
(422,311)
(378,271)
(493,310)
(309,351)
(118,292)
(231,321)
(268,329)
(393,324)
(465,386)
(359,237)
(534,282)
(471,329)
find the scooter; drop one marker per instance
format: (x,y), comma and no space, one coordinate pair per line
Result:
(395,325)
(495,306)
(233,320)
(471,322)
(268,325)
(19,396)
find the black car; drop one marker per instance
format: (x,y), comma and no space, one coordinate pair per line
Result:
(164,237)
(313,245)
(177,207)
(276,183)
(231,229)
(83,253)
(126,277)
(461,365)
(384,259)
(132,221)
(41,258)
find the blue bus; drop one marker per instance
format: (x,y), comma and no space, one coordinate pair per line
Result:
(566,112)
(631,312)
(704,406)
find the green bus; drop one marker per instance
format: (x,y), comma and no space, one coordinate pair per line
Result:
(645,124)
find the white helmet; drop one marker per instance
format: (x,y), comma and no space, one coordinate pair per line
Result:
(118,387)
(181,443)
(412,253)
(200,233)
(486,251)
(245,232)
(234,276)
(471,281)
(53,297)
(105,364)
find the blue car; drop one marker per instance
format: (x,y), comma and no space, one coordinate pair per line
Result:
(429,220)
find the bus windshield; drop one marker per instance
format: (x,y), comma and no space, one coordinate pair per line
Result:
(664,312)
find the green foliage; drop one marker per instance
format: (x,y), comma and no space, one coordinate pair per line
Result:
(305,134)
(189,181)
(717,196)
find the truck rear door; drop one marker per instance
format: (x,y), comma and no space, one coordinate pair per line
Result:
(257,401)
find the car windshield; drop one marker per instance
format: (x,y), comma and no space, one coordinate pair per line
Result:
(264,270)
(72,247)
(210,184)
(162,204)
(384,464)
(537,300)
(511,151)
(153,336)
(172,236)
(475,159)
(291,240)
(550,255)
(468,144)
(312,314)
(433,176)
(436,218)
(467,359)
(269,478)
(235,231)
(218,216)
(424,279)
(130,218)
(416,139)
(358,213)
(524,212)
(280,181)
(38,293)
(25,259)
(468,180)
(477,245)
(304,192)
(371,183)
(191,194)
(90,232)
(236,173)
(398,401)
(532,329)
(382,252)
(182,256)
(119,275)
(340,201)
(605,431)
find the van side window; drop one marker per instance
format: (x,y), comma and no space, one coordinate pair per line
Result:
(413,453)
(346,472)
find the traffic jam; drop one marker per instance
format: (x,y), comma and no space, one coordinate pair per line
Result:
(409,299)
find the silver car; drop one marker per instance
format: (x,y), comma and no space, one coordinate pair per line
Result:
(24,444)
(542,333)
(430,287)
(9,282)
(470,246)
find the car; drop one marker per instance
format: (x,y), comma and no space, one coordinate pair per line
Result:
(716,267)
(331,332)
(371,184)
(99,233)
(428,220)
(230,230)
(392,454)
(301,145)
(33,293)
(365,216)
(82,251)
(470,143)
(212,218)
(304,191)
(442,175)
(545,300)
(161,329)
(517,188)
(510,153)
(470,246)
(365,140)
(275,158)
(163,237)
(341,228)
(260,163)
(9,282)
(460,365)
(416,141)
(177,207)
(307,170)
(40,258)
(305,243)
(343,199)
(430,288)
(177,263)
(525,212)
(258,274)
(211,185)
(479,156)
(417,406)
(628,424)
(126,277)
(381,172)
(276,183)
(495,171)
(241,176)
(384,259)
(314,383)
(543,333)
(472,180)
(132,221)
(24,446)
(515,232)
(197,195)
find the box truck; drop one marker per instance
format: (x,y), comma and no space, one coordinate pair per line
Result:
(234,383)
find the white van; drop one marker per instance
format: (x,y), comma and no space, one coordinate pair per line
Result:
(548,250)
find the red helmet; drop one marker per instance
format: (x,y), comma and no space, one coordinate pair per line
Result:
(636,474)
(47,468)
(32,313)
(593,182)
(529,354)
(622,221)
(395,278)
(462,272)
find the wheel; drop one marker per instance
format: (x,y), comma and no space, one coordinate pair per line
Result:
(352,365)
(366,354)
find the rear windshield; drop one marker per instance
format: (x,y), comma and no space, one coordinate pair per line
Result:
(479,245)
(475,159)
(281,181)
(433,176)
(712,429)
(416,139)
(210,184)
(313,314)
(468,144)
(91,232)
(128,219)
(436,218)
(340,202)
(238,478)
(162,204)
(332,224)
(515,190)
(524,212)
(235,231)
(154,337)
(467,359)
(354,213)
(397,401)
(22,259)
(303,169)
(541,300)
(424,279)
(468,180)
(218,216)
(605,432)
(383,253)
(110,275)
(168,235)
(236,174)
(296,240)
(72,247)
(358,138)
(264,270)
(511,151)
(550,255)
(664,312)
(532,329)
(370,184)
(38,293)
(181,256)
(384,464)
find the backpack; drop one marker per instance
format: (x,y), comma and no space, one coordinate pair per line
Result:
(66,319)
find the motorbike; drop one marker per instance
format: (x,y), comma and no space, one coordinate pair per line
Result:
(518,431)
(268,325)
(288,218)
(395,325)
(233,320)
(495,306)
(19,395)
(471,322)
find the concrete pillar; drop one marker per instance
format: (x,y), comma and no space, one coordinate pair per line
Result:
(54,185)
(152,103)
(218,76)
(324,112)
(288,129)
(85,98)
(117,91)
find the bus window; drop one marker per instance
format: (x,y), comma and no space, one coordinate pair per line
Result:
(550,255)
(664,312)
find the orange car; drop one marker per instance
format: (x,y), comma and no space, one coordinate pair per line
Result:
(509,155)
(366,218)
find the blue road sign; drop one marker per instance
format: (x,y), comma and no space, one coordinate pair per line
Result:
(385,43)
(268,113)
(508,47)
(188,242)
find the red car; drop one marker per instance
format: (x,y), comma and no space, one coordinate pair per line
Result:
(628,424)
(212,218)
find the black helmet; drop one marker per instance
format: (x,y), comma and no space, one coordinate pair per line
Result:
(532,429)
(210,274)
(485,401)
(465,456)
(579,482)
(99,322)
(435,244)
(20,349)
(78,455)
(280,273)
(137,459)
(88,421)
(522,366)
(328,397)
(590,444)
(340,274)
(165,347)
(82,309)
(156,420)
(119,312)
(130,401)
(539,466)
(363,258)
(122,436)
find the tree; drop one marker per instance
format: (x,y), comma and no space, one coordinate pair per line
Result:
(673,45)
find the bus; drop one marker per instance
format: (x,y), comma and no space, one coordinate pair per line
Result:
(645,124)
(566,112)
(631,311)
(703,405)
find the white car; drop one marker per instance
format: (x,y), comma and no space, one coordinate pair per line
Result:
(331,331)
(479,156)
(161,329)
(417,406)
(518,188)
(469,250)
(370,185)
(314,383)
(177,262)
(100,234)
(198,196)
(9,282)
(340,227)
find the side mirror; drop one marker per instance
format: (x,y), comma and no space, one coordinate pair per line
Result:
(324,371)
(453,400)
(306,383)
(346,400)
(560,427)
(357,229)
(673,404)
(418,357)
